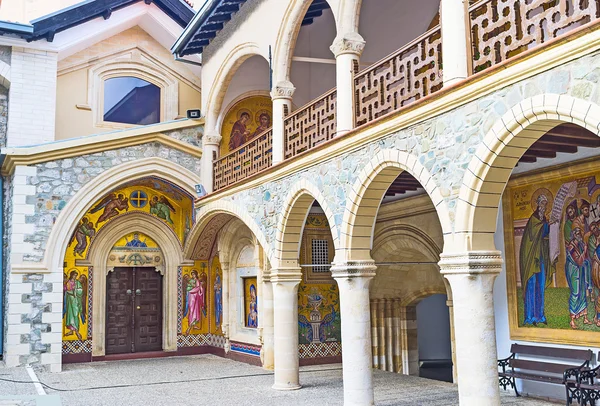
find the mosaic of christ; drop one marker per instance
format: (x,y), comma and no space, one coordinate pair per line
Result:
(245,121)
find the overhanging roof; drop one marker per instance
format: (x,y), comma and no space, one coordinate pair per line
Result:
(47,26)
(213,16)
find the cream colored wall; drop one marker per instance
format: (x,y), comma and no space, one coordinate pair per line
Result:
(78,112)
(407,230)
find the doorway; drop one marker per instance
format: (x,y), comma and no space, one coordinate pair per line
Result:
(133,310)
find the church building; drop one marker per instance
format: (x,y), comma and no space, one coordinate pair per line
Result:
(408,186)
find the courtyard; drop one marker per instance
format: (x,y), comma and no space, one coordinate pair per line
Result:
(210,380)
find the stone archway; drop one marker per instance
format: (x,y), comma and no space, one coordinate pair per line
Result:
(98,259)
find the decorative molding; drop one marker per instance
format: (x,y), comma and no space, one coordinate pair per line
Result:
(350,43)
(99,143)
(286,274)
(354,269)
(283,90)
(471,263)
(212,137)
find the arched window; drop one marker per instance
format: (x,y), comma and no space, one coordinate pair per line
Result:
(131,100)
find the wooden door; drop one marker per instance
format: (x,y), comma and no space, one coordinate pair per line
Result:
(133,310)
(119,311)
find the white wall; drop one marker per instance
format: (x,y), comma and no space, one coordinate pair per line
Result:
(503,340)
(433,329)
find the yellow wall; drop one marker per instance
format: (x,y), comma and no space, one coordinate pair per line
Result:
(76,105)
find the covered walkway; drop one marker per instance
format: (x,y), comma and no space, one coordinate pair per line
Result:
(211,380)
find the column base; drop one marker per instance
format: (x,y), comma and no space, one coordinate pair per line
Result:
(286,387)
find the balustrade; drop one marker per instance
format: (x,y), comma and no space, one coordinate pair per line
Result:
(245,161)
(311,125)
(501,29)
(409,74)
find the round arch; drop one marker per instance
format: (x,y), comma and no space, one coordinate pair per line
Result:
(498,154)
(236,57)
(290,226)
(411,237)
(358,222)
(92,191)
(213,209)
(97,258)
(288,34)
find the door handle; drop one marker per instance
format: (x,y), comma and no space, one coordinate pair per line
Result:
(138,292)
(128,291)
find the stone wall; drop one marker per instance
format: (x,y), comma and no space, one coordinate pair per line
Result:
(56,182)
(444,146)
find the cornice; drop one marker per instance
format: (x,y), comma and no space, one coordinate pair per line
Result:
(99,143)
(581,42)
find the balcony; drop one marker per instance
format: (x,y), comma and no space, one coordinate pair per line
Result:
(500,30)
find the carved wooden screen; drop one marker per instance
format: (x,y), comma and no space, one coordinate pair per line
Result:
(501,29)
(245,161)
(407,75)
(311,125)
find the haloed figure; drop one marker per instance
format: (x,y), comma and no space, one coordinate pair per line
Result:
(577,267)
(195,300)
(75,297)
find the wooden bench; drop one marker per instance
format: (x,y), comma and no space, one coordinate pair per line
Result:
(572,363)
(589,386)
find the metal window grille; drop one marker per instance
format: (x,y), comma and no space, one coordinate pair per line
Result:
(320,255)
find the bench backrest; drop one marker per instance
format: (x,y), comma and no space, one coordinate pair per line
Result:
(563,353)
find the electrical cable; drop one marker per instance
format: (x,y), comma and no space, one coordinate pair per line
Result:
(218,378)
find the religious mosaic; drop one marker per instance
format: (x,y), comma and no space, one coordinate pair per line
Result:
(319,322)
(250,302)
(246,120)
(552,224)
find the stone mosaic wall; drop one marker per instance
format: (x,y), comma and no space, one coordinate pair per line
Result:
(444,145)
(191,135)
(57,181)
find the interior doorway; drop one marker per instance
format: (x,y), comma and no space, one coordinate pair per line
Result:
(133,310)
(434,339)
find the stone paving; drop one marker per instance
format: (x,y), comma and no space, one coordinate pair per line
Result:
(211,380)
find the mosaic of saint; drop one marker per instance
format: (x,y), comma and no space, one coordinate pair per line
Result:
(250,302)
(246,120)
(556,243)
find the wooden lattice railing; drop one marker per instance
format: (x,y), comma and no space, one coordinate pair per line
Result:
(245,161)
(311,125)
(501,29)
(407,75)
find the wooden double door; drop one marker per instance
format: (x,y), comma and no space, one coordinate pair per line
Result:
(133,310)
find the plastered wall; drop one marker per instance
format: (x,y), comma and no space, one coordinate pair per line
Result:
(131,52)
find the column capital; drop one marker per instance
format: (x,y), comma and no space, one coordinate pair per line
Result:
(471,263)
(211,137)
(283,90)
(354,269)
(349,43)
(266,275)
(289,274)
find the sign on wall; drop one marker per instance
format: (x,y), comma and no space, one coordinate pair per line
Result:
(552,237)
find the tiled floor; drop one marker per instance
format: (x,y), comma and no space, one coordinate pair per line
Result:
(210,380)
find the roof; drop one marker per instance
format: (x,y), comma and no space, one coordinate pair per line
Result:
(47,26)
(213,16)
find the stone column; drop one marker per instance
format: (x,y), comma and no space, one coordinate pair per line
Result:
(471,276)
(397,350)
(455,40)
(374,334)
(347,50)
(225,303)
(266,319)
(285,283)
(409,340)
(281,94)
(210,152)
(353,279)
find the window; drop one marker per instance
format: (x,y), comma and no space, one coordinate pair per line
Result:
(131,100)
(320,255)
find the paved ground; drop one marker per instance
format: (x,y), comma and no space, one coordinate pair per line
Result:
(211,380)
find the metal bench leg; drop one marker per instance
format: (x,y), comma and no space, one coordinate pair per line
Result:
(514,385)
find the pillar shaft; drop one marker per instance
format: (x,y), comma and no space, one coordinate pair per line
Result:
(281,95)
(267,349)
(210,152)
(225,303)
(471,276)
(285,316)
(347,50)
(353,281)
(455,40)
